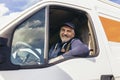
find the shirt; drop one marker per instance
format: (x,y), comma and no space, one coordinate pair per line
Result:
(76,48)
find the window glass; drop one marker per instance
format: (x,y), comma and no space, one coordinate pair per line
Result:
(28,41)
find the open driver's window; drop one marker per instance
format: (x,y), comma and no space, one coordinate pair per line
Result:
(59,15)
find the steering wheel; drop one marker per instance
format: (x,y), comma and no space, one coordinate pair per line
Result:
(25,54)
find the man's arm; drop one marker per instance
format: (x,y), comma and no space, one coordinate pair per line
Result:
(56,59)
(77,49)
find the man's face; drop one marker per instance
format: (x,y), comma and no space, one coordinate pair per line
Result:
(66,33)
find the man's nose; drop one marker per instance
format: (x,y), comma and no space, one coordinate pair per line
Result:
(65,32)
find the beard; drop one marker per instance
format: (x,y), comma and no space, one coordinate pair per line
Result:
(65,38)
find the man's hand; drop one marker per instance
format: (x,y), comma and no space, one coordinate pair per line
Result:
(56,59)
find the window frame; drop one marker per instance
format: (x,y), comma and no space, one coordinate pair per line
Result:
(91,30)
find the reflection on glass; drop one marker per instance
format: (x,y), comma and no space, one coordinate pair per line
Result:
(28,41)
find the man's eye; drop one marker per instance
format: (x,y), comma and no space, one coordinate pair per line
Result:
(68,31)
(62,30)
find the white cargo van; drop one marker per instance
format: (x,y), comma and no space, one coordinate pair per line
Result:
(25,42)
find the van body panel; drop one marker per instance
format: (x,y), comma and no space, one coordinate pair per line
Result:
(115,57)
(63,71)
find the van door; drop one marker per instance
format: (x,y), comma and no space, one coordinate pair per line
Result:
(23,50)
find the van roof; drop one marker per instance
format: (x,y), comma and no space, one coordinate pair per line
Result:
(86,2)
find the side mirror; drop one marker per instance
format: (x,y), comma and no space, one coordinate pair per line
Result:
(2,59)
(3,41)
(3,45)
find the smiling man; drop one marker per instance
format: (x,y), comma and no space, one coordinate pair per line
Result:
(68,46)
(66,33)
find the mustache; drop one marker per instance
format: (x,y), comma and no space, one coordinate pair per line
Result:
(65,35)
